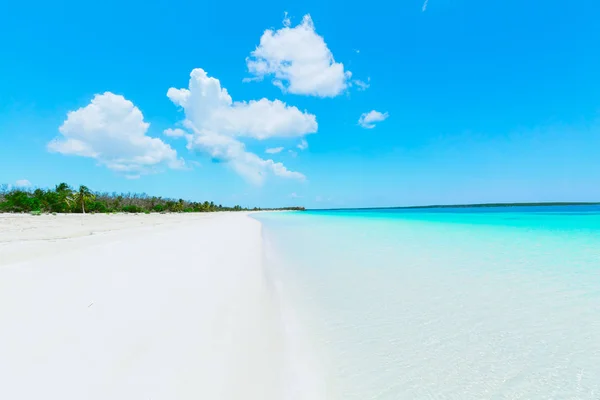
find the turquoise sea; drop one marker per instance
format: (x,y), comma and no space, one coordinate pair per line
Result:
(466,303)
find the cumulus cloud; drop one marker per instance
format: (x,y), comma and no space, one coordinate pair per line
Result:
(22,183)
(299,61)
(210,108)
(111,130)
(274,150)
(216,123)
(228,150)
(368,120)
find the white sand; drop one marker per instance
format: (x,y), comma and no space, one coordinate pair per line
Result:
(136,307)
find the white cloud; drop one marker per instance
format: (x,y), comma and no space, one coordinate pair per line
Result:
(294,195)
(216,123)
(299,61)
(255,169)
(111,130)
(361,84)
(287,22)
(210,107)
(274,150)
(174,132)
(303,145)
(367,120)
(22,183)
(226,149)
(425,5)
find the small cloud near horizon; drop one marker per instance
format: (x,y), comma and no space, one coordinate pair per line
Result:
(22,183)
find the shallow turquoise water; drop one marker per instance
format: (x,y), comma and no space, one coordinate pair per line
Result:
(439,304)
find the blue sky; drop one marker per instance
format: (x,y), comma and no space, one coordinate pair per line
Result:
(478,101)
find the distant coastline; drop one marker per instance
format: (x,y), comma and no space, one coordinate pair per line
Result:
(479,205)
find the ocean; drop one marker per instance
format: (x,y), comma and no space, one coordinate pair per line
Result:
(465,303)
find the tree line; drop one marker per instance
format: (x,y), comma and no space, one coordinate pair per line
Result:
(64,199)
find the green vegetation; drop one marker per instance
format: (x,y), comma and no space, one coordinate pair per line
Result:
(80,197)
(63,199)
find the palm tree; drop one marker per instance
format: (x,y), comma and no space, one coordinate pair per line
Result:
(62,187)
(80,197)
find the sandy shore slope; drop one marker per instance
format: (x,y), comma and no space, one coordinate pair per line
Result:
(136,307)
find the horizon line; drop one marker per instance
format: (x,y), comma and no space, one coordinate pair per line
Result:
(474,205)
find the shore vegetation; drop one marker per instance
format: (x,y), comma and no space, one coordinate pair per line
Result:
(65,199)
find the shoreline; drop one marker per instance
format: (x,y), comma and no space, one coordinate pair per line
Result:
(148,306)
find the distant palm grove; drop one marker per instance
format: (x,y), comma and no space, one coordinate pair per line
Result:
(64,199)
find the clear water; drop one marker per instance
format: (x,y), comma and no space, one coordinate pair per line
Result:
(439,304)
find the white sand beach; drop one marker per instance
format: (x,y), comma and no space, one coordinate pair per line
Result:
(136,307)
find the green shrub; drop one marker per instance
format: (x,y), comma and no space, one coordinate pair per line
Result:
(132,209)
(96,207)
(20,201)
